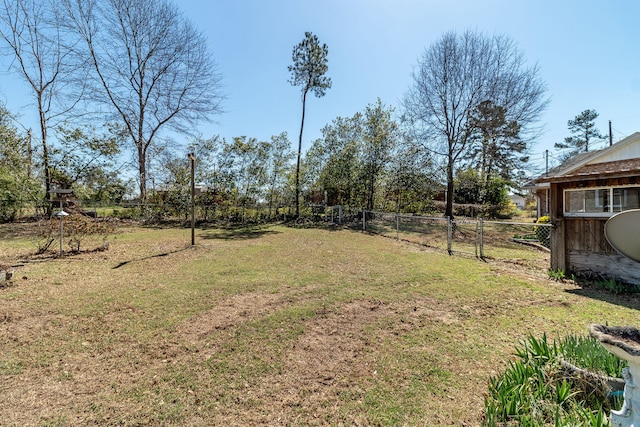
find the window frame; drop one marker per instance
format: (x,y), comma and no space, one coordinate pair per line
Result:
(597,202)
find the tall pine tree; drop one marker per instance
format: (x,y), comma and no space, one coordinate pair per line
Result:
(308,71)
(583,132)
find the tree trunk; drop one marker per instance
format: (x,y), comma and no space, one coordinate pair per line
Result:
(448,213)
(142,173)
(304,101)
(370,190)
(29,154)
(271,192)
(45,158)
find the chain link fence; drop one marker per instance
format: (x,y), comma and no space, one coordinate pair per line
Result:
(520,242)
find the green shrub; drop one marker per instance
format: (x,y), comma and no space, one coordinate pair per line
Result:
(126,213)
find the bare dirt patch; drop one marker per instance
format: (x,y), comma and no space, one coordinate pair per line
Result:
(325,367)
(229,312)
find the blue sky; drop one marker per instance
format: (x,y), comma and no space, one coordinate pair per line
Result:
(588,53)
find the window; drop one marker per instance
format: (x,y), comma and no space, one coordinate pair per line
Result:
(626,198)
(600,201)
(586,201)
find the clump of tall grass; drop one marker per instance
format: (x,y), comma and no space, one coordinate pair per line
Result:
(542,387)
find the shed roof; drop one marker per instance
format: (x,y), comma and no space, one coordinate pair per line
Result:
(620,159)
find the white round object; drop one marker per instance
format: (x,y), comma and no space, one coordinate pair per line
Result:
(623,233)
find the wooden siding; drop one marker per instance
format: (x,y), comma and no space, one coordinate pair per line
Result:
(558,253)
(627,151)
(586,235)
(586,252)
(556,201)
(614,266)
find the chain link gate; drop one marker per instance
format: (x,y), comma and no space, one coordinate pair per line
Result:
(507,240)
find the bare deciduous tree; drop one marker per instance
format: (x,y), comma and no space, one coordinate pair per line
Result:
(152,68)
(32,32)
(453,77)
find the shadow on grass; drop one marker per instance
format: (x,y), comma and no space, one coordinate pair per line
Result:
(237,233)
(123,263)
(589,290)
(318,224)
(20,230)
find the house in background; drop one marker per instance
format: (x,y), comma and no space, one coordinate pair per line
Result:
(518,200)
(579,196)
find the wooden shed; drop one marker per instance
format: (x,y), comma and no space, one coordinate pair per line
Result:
(579,196)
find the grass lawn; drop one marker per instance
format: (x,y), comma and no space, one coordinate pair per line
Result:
(269,325)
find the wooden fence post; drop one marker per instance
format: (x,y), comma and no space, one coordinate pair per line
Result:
(557,246)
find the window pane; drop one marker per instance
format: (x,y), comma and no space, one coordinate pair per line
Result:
(574,201)
(587,201)
(626,198)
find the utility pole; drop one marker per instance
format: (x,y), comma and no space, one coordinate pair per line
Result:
(546,160)
(610,135)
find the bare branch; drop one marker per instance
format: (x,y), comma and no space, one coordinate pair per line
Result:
(152,68)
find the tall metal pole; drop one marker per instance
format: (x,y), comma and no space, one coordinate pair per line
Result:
(193,199)
(60,215)
(61,234)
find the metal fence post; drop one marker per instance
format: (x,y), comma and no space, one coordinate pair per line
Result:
(397,226)
(481,238)
(476,240)
(364,219)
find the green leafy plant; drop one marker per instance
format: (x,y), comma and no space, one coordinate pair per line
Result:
(537,388)
(612,285)
(557,275)
(589,354)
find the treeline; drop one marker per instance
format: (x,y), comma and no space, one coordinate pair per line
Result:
(366,161)
(84,159)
